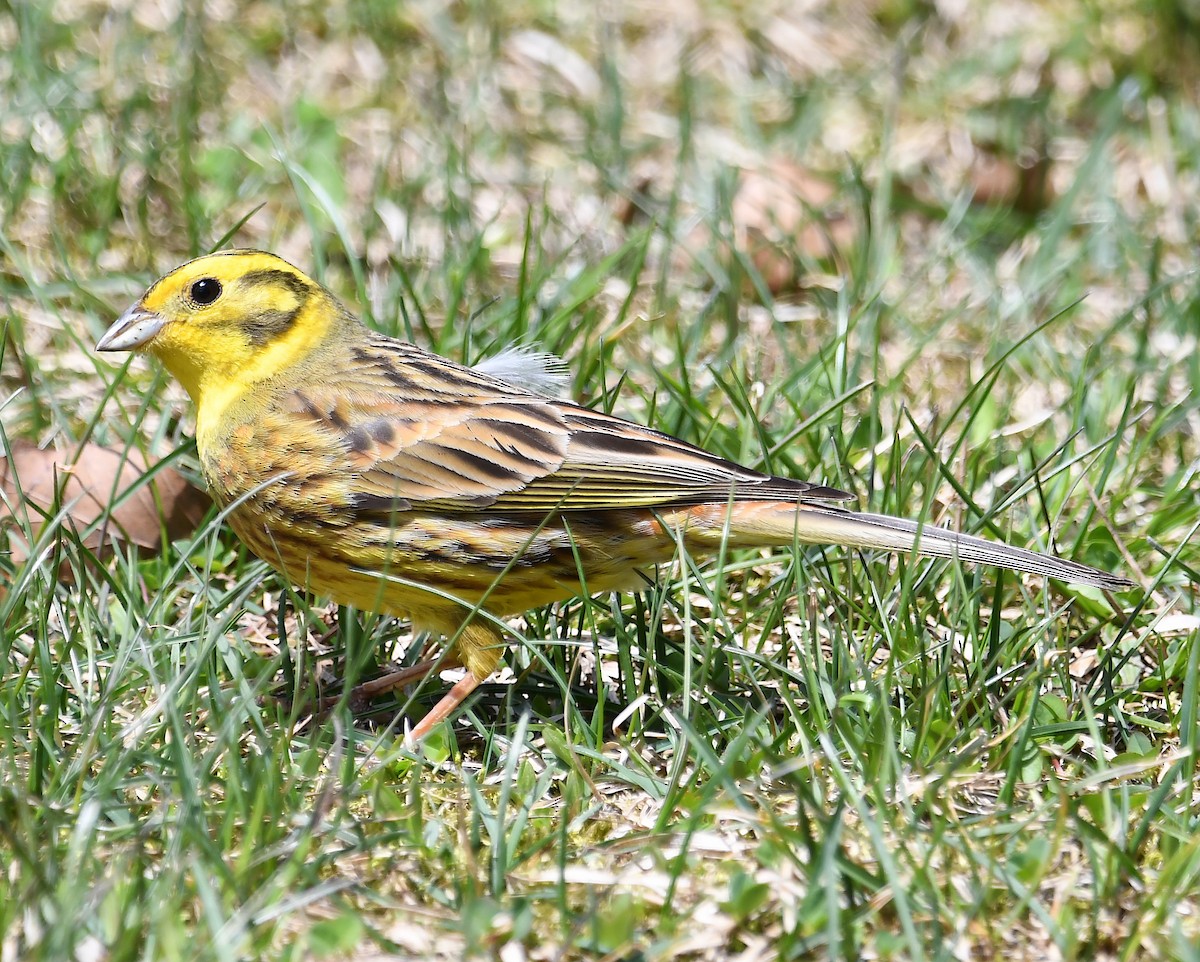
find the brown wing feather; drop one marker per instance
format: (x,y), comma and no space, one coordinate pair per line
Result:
(421,431)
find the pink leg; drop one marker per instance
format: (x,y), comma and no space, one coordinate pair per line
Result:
(444,708)
(398,679)
(363,693)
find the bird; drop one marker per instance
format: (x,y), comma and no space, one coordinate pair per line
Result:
(389,478)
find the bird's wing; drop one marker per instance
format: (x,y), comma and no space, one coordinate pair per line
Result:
(461,440)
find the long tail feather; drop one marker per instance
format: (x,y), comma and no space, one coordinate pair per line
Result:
(767,523)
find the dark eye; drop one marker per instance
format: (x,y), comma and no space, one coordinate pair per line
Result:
(205,291)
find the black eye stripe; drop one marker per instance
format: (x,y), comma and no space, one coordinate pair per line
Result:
(205,291)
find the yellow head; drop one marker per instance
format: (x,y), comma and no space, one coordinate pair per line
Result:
(225,322)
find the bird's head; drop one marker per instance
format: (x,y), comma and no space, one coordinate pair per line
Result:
(231,317)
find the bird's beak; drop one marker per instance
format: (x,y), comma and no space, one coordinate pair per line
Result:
(131,330)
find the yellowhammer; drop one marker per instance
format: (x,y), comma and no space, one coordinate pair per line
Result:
(397,481)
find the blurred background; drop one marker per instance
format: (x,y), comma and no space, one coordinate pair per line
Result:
(784,171)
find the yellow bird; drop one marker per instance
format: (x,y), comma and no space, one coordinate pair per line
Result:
(395,480)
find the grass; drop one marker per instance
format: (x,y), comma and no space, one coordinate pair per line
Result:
(791,755)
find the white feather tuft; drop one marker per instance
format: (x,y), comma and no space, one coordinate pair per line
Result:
(530,370)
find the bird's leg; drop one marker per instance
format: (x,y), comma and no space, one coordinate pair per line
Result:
(479,647)
(446,707)
(363,693)
(404,676)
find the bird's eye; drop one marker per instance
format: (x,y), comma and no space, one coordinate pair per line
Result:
(205,291)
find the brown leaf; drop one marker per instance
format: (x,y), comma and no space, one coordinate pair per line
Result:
(632,207)
(783,215)
(788,207)
(1021,182)
(87,484)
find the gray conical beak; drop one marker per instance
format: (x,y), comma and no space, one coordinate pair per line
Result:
(131,330)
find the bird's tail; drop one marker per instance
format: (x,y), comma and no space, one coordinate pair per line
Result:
(773,523)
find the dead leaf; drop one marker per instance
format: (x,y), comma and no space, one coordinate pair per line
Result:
(1021,182)
(782,209)
(631,208)
(783,215)
(87,483)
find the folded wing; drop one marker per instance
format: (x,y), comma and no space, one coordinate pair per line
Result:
(453,439)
